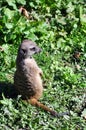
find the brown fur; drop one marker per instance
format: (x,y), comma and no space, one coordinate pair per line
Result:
(27,78)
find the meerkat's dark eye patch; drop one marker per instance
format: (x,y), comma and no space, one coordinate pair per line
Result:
(33,48)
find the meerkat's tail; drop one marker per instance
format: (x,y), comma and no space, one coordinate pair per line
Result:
(36,103)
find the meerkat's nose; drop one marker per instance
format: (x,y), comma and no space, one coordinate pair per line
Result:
(40,49)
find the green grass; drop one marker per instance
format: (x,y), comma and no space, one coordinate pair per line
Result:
(59,28)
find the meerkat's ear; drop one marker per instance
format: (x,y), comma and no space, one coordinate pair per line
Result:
(23,51)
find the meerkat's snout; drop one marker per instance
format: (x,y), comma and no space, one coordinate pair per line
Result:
(38,50)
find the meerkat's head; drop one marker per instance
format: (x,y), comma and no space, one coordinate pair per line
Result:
(27,49)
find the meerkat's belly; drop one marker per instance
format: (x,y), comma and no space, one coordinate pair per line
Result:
(28,84)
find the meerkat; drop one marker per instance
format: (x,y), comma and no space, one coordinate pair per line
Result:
(27,78)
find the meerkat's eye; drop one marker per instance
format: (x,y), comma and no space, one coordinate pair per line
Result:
(33,49)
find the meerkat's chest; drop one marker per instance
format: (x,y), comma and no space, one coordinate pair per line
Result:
(31,66)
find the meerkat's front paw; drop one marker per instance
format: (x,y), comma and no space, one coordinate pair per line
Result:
(40,72)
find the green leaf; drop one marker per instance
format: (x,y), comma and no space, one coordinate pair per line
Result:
(12,3)
(23,2)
